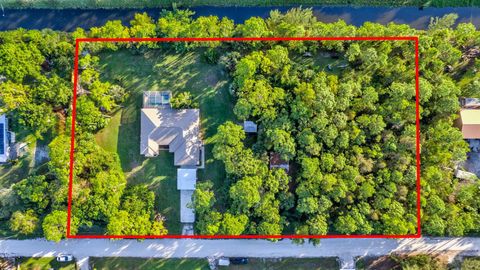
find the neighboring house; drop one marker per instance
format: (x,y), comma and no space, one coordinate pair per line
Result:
(276,161)
(249,127)
(469,123)
(3,139)
(164,128)
(178,131)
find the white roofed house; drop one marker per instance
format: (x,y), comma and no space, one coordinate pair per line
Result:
(178,131)
(3,139)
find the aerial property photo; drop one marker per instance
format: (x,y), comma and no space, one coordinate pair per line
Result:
(148,135)
(172,126)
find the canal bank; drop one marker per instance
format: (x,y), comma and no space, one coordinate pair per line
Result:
(69,19)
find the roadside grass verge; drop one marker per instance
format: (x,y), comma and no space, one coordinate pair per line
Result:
(329,263)
(118,263)
(43,263)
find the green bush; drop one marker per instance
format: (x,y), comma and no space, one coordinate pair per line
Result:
(183,101)
(472,263)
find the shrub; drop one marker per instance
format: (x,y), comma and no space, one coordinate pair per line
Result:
(183,101)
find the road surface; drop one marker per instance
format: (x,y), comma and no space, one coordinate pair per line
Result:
(345,249)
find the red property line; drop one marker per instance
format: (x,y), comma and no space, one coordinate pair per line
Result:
(241,39)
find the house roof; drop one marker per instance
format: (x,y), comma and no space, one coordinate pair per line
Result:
(186,179)
(187,215)
(179,129)
(470,117)
(470,123)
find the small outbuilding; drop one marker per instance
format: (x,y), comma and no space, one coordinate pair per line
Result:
(276,161)
(249,127)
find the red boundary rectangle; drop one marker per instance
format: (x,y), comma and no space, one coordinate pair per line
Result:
(242,39)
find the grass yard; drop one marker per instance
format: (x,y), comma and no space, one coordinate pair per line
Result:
(114,263)
(287,264)
(25,263)
(158,70)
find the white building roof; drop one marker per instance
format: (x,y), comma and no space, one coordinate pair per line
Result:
(187,215)
(179,129)
(3,139)
(186,179)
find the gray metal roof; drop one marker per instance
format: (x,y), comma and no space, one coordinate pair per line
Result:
(179,129)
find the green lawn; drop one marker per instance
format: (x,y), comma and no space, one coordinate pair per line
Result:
(158,70)
(287,264)
(200,264)
(43,263)
(114,263)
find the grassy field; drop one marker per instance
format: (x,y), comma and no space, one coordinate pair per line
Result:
(287,264)
(43,263)
(184,3)
(163,70)
(114,263)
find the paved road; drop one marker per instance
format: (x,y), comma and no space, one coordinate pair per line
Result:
(345,249)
